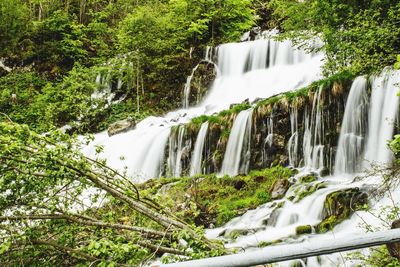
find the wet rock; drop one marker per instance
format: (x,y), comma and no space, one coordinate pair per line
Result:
(279,188)
(234,233)
(121,126)
(306,189)
(303,229)
(339,206)
(279,141)
(202,79)
(308,179)
(344,202)
(239,184)
(394,249)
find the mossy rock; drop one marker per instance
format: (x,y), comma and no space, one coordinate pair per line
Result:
(279,188)
(344,202)
(233,234)
(263,244)
(297,263)
(327,224)
(339,206)
(303,229)
(307,190)
(308,179)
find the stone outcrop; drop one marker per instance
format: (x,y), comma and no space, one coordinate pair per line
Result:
(279,188)
(272,128)
(201,81)
(121,126)
(339,205)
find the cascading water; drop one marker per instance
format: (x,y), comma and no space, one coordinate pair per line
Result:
(277,220)
(208,58)
(269,139)
(293,142)
(238,78)
(352,133)
(236,158)
(261,69)
(382,116)
(195,165)
(177,147)
(313,148)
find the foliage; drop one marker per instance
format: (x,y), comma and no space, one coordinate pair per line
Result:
(145,45)
(395,145)
(165,32)
(61,208)
(208,199)
(376,257)
(361,37)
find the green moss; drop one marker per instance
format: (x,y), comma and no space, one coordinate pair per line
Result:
(339,206)
(269,243)
(297,263)
(308,179)
(211,199)
(235,109)
(327,224)
(306,190)
(303,229)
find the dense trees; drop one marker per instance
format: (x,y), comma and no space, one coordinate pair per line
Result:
(61,208)
(362,36)
(55,39)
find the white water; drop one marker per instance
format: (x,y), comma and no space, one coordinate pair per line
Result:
(197,155)
(176,150)
(287,69)
(274,221)
(264,68)
(382,115)
(293,142)
(269,139)
(313,145)
(353,129)
(238,138)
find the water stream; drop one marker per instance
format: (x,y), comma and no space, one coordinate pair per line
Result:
(241,76)
(260,69)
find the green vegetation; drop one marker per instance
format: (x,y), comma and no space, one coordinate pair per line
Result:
(42,187)
(303,229)
(209,199)
(57,49)
(358,36)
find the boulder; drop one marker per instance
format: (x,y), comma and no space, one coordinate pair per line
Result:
(121,126)
(339,206)
(279,188)
(394,249)
(343,203)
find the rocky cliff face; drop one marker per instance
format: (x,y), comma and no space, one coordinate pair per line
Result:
(297,129)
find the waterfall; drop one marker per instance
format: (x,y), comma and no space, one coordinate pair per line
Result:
(293,142)
(367,126)
(269,139)
(382,115)
(246,70)
(176,149)
(208,58)
(313,145)
(197,156)
(351,140)
(239,138)
(186,90)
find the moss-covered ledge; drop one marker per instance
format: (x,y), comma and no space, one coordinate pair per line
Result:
(208,200)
